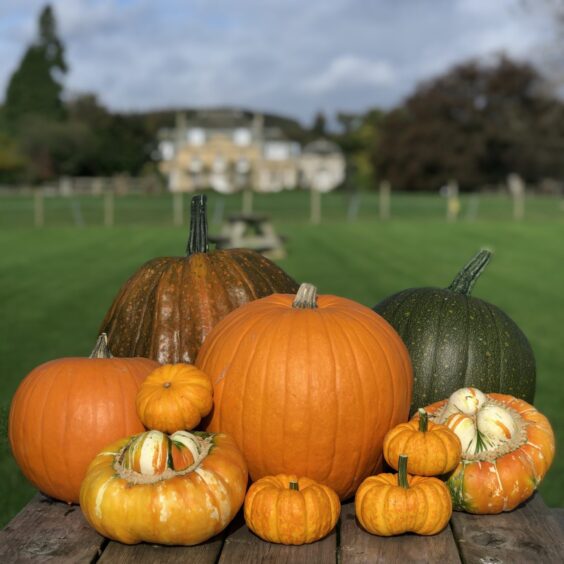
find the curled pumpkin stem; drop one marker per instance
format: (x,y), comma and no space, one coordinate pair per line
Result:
(295,486)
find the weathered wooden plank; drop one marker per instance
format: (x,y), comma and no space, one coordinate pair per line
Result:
(357,546)
(558,512)
(528,534)
(47,530)
(117,553)
(243,546)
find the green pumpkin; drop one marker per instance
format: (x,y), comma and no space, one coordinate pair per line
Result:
(455,340)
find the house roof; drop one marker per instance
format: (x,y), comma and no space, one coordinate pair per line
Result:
(321,147)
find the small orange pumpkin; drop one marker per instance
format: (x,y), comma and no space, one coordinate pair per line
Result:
(66,410)
(392,504)
(174,397)
(290,510)
(432,449)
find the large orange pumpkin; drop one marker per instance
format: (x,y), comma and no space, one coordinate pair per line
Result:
(308,385)
(167,308)
(66,410)
(507,448)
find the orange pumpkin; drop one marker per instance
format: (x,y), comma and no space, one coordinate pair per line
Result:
(290,510)
(66,410)
(177,489)
(308,385)
(432,449)
(508,446)
(174,397)
(392,504)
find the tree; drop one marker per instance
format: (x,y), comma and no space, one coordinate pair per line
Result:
(359,134)
(319,127)
(35,87)
(477,123)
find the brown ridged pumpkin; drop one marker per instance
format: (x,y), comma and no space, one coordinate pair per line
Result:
(167,308)
(308,385)
(66,410)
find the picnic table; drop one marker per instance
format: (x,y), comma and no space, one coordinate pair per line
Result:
(51,531)
(250,231)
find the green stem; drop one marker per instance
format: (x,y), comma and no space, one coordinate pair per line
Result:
(295,486)
(467,277)
(198,239)
(101,349)
(423,420)
(402,472)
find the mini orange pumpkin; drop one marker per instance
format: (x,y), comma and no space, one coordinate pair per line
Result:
(174,397)
(392,504)
(432,449)
(291,510)
(177,489)
(66,410)
(508,446)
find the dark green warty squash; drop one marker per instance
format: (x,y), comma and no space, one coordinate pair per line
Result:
(456,340)
(168,307)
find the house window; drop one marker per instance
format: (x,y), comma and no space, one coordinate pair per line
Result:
(242,137)
(196,136)
(196,165)
(276,151)
(219,164)
(166,149)
(242,166)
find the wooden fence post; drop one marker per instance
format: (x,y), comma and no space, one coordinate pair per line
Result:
(177,208)
(517,191)
(247,201)
(109,208)
(315,206)
(453,202)
(38,208)
(384,200)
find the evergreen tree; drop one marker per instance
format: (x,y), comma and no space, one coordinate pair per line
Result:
(319,127)
(35,87)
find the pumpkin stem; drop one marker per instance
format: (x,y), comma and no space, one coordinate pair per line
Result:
(306,298)
(423,420)
(467,277)
(101,349)
(402,471)
(198,239)
(295,486)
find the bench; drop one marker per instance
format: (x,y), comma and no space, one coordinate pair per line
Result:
(51,531)
(250,231)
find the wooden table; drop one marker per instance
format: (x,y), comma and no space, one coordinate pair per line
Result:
(250,231)
(50,531)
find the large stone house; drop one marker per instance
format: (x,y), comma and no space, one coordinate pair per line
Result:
(227,150)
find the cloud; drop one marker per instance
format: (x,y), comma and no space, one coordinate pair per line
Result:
(288,56)
(351,71)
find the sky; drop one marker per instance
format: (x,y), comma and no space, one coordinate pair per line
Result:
(293,57)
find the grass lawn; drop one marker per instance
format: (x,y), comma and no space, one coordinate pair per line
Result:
(56,283)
